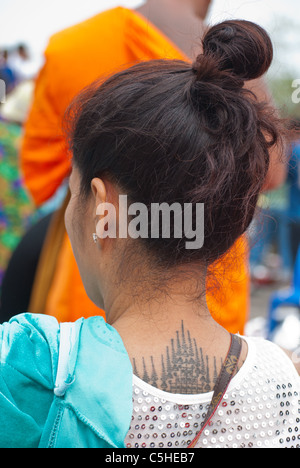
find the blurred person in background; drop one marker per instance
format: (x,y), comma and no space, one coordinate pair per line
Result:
(18,214)
(16,206)
(7,74)
(22,64)
(74,58)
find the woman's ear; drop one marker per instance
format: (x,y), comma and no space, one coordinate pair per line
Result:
(105,212)
(98,190)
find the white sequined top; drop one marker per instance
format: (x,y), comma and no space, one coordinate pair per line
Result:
(260,409)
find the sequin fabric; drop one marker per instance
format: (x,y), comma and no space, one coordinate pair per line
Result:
(261,408)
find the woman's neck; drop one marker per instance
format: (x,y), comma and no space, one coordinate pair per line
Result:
(159,314)
(154,295)
(168,343)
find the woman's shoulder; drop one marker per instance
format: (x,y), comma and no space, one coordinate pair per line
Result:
(28,329)
(41,358)
(36,339)
(266,357)
(29,345)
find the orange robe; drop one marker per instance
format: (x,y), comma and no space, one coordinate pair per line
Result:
(74,58)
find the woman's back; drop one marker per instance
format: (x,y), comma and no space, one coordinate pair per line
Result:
(260,408)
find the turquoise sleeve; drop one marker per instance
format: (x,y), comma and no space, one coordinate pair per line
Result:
(28,364)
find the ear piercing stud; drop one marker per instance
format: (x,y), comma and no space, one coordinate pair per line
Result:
(95,238)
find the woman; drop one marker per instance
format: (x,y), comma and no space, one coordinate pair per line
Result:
(160,132)
(158,29)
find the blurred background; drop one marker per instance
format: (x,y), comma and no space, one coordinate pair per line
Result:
(33,22)
(274,267)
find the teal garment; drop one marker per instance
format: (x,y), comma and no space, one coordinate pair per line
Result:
(93,407)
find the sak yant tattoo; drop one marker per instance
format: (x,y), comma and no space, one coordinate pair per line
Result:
(183,368)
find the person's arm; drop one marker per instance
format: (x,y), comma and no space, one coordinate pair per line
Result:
(28,363)
(278,165)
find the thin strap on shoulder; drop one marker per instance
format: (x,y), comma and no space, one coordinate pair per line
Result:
(227,373)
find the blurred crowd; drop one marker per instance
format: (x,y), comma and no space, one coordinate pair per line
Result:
(18,212)
(16,209)
(15,65)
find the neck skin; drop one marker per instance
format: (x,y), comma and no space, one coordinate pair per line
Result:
(156,304)
(147,319)
(169,324)
(176,20)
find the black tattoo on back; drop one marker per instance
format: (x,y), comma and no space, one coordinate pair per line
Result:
(183,368)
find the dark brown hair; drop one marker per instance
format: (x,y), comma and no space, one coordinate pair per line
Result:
(168,131)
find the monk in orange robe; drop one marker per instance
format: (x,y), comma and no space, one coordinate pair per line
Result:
(76,57)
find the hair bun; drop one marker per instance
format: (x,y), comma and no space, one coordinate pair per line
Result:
(239,47)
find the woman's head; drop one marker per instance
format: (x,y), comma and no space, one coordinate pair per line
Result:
(169,132)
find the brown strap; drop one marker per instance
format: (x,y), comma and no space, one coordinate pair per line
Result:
(227,373)
(48,261)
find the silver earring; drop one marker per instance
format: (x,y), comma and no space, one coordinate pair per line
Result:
(95,238)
